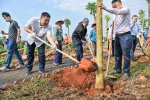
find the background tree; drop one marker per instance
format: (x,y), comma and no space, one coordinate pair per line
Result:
(143,22)
(107,18)
(91,6)
(100,74)
(148,1)
(67,24)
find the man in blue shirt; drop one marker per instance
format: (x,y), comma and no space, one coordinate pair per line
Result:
(92,37)
(135,30)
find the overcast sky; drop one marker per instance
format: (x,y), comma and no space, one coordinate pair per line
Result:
(23,10)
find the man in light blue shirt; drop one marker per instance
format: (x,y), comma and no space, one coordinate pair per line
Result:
(135,30)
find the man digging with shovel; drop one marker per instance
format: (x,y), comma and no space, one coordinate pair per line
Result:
(38,27)
(78,37)
(123,36)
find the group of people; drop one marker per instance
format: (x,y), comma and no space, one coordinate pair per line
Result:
(35,27)
(39,27)
(125,38)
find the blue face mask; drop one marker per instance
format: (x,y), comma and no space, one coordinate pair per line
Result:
(7,20)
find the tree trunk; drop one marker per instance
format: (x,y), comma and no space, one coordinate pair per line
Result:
(94,18)
(107,32)
(142,37)
(149,14)
(68,32)
(143,22)
(100,74)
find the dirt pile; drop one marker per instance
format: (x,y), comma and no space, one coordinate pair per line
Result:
(73,78)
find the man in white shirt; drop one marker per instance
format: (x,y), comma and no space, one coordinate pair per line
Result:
(38,27)
(123,36)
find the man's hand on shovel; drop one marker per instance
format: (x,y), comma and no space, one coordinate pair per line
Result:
(33,35)
(110,37)
(54,47)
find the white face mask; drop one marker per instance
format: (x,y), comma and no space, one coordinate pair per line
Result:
(7,20)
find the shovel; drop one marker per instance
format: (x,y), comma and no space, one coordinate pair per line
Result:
(110,44)
(94,59)
(84,64)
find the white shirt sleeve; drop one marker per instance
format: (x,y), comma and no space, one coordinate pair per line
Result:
(49,29)
(31,22)
(122,11)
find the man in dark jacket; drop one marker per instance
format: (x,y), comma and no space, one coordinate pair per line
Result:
(78,37)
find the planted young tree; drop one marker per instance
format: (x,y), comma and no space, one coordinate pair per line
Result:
(148,1)
(143,22)
(99,43)
(67,24)
(91,6)
(107,18)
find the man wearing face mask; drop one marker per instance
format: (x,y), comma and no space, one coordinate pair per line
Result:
(135,30)
(38,27)
(78,37)
(14,38)
(122,36)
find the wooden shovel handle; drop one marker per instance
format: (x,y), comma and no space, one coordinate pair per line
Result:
(109,49)
(90,48)
(58,50)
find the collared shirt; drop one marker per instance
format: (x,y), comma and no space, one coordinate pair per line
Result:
(122,19)
(40,31)
(135,29)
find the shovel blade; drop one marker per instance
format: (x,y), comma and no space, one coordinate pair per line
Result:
(87,65)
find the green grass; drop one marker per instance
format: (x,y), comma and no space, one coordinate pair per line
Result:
(39,88)
(135,66)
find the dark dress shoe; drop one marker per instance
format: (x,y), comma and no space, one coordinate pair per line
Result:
(62,63)
(134,59)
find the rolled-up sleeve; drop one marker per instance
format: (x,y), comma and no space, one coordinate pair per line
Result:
(115,11)
(49,29)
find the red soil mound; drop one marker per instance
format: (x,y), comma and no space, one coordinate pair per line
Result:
(73,78)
